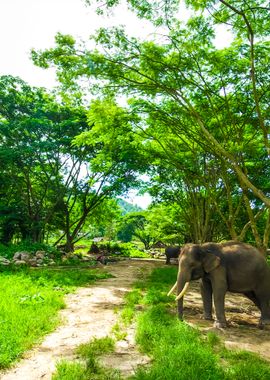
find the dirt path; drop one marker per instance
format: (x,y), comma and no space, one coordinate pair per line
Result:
(91,313)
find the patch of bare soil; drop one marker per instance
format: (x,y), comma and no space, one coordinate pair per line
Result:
(91,312)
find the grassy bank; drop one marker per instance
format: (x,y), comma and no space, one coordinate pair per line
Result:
(29,303)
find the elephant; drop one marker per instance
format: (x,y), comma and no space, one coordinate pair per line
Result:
(231,266)
(172,252)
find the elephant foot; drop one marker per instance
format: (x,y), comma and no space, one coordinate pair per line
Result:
(264,324)
(208,317)
(220,325)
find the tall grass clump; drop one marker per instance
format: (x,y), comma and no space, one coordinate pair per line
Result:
(90,367)
(243,365)
(178,351)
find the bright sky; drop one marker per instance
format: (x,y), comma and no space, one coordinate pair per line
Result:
(27,24)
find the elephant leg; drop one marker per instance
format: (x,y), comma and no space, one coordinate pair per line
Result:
(168,260)
(180,309)
(252,297)
(264,302)
(220,287)
(206,292)
(219,300)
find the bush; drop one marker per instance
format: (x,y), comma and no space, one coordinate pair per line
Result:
(121,249)
(9,250)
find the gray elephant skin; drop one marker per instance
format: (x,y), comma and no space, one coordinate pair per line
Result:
(232,266)
(172,252)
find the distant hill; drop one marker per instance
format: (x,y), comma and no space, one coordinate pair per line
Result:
(127,207)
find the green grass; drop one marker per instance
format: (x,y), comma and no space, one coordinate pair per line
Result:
(29,303)
(181,352)
(96,347)
(177,351)
(90,368)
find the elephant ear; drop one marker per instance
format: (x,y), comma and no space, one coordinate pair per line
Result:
(210,262)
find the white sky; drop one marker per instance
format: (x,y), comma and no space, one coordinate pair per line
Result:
(27,24)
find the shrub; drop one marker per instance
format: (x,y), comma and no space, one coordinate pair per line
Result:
(121,249)
(9,250)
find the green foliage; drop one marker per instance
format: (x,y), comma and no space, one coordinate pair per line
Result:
(9,250)
(121,249)
(38,161)
(202,123)
(96,347)
(29,303)
(136,225)
(46,146)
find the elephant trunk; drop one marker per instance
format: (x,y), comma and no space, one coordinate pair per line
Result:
(182,285)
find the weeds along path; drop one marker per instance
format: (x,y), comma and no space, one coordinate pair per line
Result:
(90,312)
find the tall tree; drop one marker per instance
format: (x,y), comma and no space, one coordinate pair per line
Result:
(36,134)
(186,85)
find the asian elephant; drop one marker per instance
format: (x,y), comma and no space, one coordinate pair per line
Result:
(172,252)
(231,266)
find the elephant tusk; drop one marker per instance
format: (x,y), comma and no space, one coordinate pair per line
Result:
(180,295)
(172,289)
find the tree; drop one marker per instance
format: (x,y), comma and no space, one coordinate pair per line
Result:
(36,163)
(113,167)
(136,225)
(184,85)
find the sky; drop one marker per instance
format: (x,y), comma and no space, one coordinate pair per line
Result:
(27,24)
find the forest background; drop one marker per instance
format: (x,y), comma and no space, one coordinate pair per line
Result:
(172,114)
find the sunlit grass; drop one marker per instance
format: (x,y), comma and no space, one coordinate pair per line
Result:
(90,368)
(29,303)
(177,351)
(181,352)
